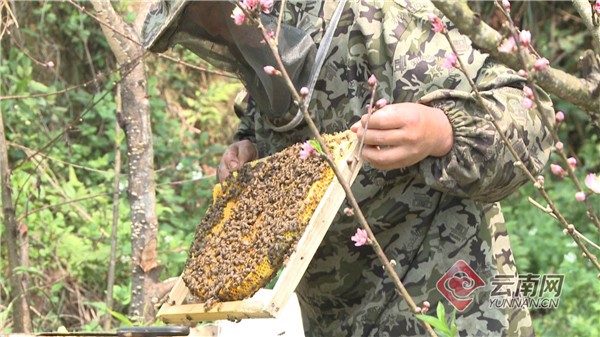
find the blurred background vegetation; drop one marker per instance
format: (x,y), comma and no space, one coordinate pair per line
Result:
(193,120)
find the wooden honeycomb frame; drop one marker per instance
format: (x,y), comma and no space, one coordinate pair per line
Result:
(173,311)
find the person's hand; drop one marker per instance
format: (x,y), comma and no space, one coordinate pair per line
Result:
(236,155)
(402,134)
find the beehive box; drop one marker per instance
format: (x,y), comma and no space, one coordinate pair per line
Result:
(270,214)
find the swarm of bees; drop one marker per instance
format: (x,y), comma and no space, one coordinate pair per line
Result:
(257,217)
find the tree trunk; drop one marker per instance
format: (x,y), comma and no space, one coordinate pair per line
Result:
(13,241)
(135,122)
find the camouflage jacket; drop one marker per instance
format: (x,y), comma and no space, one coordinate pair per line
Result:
(430,215)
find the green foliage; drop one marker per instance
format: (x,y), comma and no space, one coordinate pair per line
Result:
(442,327)
(64,199)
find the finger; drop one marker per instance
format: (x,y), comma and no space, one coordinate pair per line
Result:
(247,152)
(381,137)
(389,117)
(356,126)
(225,166)
(230,158)
(222,171)
(392,157)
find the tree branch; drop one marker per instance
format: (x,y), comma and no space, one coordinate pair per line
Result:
(584,9)
(561,84)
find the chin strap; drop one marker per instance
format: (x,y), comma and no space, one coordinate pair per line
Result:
(316,69)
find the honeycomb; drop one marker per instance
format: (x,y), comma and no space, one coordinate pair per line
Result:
(257,216)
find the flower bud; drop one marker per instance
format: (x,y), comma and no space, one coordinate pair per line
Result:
(571,229)
(527,103)
(522,73)
(559,146)
(380,103)
(271,70)
(372,81)
(557,170)
(525,38)
(506,5)
(528,92)
(580,196)
(348,211)
(304,92)
(560,116)
(572,162)
(540,64)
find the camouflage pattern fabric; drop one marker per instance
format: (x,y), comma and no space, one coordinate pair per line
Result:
(427,216)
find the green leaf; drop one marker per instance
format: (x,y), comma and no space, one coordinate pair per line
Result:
(316,145)
(441,312)
(440,325)
(37,86)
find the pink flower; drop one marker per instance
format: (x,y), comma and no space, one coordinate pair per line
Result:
(580,196)
(508,45)
(380,103)
(360,238)
(450,61)
(271,70)
(540,64)
(597,7)
(307,150)
(560,116)
(527,103)
(436,22)
(239,18)
(593,182)
(258,5)
(348,211)
(506,5)
(557,170)
(525,38)
(572,162)
(265,6)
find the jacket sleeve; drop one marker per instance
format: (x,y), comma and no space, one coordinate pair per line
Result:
(244,110)
(480,166)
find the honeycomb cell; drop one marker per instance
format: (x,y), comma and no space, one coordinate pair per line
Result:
(255,221)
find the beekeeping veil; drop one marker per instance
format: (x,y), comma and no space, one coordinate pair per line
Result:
(206,28)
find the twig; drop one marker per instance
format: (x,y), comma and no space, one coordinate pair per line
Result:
(183,63)
(531,81)
(584,9)
(71,201)
(519,161)
(370,108)
(54,93)
(279,20)
(25,148)
(125,70)
(388,267)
